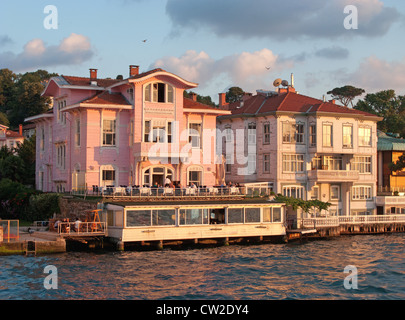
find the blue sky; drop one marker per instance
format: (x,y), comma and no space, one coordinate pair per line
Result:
(217,44)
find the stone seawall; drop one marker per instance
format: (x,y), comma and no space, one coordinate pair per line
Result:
(73,208)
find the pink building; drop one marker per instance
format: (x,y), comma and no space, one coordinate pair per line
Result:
(135,131)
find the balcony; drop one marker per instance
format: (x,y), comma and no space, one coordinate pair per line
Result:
(333,175)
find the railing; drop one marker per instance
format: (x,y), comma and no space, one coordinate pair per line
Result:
(141,192)
(84,228)
(342,220)
(11,230)
(334,175)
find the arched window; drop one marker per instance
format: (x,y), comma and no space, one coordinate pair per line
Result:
(159,92)
(157,175)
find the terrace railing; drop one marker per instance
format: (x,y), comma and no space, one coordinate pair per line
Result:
(342,220)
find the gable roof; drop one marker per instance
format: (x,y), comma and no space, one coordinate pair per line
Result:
(83,81)
(198,106)
(291,102)
(107,97)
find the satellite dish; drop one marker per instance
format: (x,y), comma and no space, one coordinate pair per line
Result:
(277,82)
(284,83)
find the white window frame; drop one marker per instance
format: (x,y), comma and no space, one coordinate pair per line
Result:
(363,164)
(312,135)
(294,191)
(266,163)
(252,133)
(362,192)
(293,163)
(195,135)
(327,137)
(113,133)
(337,187)
(347,138)
(365,141)
(151,92)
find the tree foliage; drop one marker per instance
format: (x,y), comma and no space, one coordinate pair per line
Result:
(20,95)
(234,94)
(202,99)
(346,94)
(388,105)
(305,205)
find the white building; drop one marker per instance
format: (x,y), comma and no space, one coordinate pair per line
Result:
(307,148)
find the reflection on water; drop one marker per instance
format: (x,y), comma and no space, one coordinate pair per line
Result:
(312,270)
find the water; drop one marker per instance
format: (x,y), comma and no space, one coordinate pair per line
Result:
(312,270)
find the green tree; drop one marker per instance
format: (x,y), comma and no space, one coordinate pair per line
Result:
(388,105)
(26,152)
(234,94)
(202,99)
(346,94)
(7,86)
(13,168)
(3,119)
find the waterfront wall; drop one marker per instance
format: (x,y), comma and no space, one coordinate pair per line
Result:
(73,207)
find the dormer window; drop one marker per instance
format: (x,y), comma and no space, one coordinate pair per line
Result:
(159,92)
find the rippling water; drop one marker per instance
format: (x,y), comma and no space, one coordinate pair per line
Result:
(312,270)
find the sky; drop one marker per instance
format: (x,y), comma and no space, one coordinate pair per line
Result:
(215,43)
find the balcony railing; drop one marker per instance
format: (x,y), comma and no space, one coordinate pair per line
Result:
(342,220)
(333,175)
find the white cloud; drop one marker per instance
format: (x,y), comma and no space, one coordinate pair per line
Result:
(74,49)
(249,70)
(374,74)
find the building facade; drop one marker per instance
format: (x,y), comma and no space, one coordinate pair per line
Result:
(305,147)
(134,131)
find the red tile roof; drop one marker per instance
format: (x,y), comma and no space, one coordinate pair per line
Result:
(191,104)
(108,98)
(290,102)
(13,134)
(81,81)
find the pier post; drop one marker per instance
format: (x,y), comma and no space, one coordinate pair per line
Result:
(160,245)
(226,241)
(120,246)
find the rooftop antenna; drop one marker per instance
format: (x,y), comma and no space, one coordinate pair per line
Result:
(292,80)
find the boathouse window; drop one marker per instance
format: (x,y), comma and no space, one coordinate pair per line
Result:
(161,217)
(109,127)
(252,215)
(235,215)
(272,214)
(193,216)
(159,92)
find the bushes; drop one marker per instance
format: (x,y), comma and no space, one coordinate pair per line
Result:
(19,202)
(42,206)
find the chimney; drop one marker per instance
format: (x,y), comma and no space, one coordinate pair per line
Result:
(332,101)
(93,74)
(222,100)
(133,70)
(20,129)
(193,96)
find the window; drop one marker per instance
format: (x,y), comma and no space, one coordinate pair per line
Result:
(293,133)
(195,135)
(42,139)
(293,163)
(334,192)
(193,216)
(362,193)
(315,193)
(347,136)
(61,156)
(293,192)
(108,177)
(169,132)
(327,135)
(365,136)
(228,134)
(252,133)
(158,134)
(159,92)
(195,177)
(252,215)
(228,163)
(312,135)
(299,133)
(251,163)
(266,133)
(266,163)
(236,215)
(109,127)
(362,164)
(77,133)
(147,128)
(272,214)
